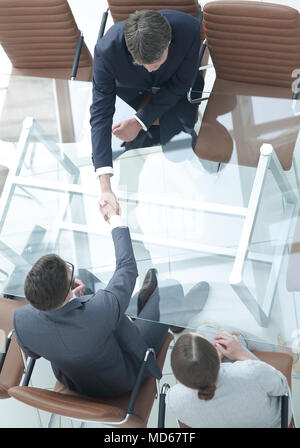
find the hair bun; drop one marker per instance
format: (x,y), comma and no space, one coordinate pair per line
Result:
(206,393)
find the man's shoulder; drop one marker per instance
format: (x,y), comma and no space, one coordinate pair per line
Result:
(113,37)
(185,28)
(24,310)
(178,16)
(24,314)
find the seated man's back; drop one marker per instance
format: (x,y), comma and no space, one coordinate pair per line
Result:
(94,349)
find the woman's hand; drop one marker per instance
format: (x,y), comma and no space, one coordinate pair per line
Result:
(229,346)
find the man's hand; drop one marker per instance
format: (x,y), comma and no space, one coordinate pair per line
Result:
(79,288)
(127,130)
(228,345)
(109,205)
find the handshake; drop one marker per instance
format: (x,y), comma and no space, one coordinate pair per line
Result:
(109,205)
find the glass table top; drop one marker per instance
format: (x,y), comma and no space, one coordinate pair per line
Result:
(219,209)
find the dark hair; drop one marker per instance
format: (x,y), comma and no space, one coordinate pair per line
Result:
(195,364)
(47,283)
(147,36)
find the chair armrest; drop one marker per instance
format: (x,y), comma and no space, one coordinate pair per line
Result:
(5,350)
(139,380)
(162,406)
(77,56)
(103,24)
(199,67)
(284,411)
(28,373)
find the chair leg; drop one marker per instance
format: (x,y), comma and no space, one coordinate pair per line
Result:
(39,418)
(51,421)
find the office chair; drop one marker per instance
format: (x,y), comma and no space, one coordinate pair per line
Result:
(129,410)
(254,47)
(281,361)
(43,43)
(11,359)
(42,39)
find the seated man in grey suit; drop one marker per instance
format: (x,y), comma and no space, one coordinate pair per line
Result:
(93,347)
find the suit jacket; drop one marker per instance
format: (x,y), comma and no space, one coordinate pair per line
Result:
(113,68)
(93,347)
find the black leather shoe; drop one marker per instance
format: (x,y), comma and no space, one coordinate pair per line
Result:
(176,329)
(149,285)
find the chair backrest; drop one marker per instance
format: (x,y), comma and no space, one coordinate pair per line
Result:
(13,367)
(121,9)
(253,42)
(77,406)
(281,361)
(40,39)
(255,50)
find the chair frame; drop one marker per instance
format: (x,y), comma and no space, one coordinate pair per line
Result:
(131,403)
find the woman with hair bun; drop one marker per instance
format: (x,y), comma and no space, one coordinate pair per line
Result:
(211,393)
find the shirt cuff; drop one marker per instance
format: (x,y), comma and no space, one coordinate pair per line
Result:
(115,221)
(140,121)
(104,170)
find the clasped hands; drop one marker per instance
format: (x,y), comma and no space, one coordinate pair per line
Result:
(108,205)
(227,344)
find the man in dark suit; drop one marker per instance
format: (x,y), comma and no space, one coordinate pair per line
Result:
(93,347)
(153,52)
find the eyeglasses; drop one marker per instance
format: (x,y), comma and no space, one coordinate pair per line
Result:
(72,281)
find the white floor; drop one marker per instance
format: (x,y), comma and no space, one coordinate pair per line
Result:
(286,311)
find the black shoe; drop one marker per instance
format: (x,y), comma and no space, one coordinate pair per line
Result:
(149,285)
(194,139)
(176,329)
(137,142)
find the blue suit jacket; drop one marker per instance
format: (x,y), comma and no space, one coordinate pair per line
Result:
(113,67)
(93,347)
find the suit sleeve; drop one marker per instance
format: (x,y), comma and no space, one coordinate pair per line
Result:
(120,287)
(175,88)
(23,347)
(102,111)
